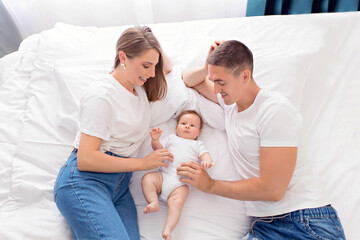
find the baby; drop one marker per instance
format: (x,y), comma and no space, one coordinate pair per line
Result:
(166,182)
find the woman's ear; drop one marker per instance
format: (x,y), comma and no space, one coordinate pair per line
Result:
(122,56)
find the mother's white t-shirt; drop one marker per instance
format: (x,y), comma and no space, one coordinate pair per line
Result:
(112,113)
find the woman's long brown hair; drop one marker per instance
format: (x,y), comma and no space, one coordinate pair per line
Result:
(134,41)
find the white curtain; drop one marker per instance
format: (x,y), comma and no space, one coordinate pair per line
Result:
(33,16)
(10,36)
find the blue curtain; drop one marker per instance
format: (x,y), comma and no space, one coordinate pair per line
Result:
(347,5)
(276,7)
(255,7)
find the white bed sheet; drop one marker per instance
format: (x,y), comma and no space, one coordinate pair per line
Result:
(312,59)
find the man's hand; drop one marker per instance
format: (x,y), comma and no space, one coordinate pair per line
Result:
(213,46)
(197,174)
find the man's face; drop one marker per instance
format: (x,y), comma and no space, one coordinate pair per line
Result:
(225,83)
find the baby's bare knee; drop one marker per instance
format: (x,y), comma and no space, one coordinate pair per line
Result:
(177,197)
(152,178)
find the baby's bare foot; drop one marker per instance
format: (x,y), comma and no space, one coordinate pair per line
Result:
(166,234)
(152,207)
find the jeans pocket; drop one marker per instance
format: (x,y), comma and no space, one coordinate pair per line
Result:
(324,228)
(58,179)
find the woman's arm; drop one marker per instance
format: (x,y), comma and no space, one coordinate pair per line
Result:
(90,158)
(277,165)
(167,63)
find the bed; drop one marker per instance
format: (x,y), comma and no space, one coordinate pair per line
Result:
(312,59)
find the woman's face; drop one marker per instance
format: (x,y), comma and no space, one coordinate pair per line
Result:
(140,69)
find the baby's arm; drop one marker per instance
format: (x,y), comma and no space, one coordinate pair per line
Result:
(155,134)
(206,160)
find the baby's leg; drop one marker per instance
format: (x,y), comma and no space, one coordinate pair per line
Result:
(175,202)
(151,186)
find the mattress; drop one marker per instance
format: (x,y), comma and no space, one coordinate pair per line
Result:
(311,59)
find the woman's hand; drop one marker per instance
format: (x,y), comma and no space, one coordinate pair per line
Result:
(158,158)
(199,178)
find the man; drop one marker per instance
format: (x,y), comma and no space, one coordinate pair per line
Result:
(262,128)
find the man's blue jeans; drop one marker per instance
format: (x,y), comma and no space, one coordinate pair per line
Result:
(96,205)
(313,223)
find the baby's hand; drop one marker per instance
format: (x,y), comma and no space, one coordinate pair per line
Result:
(155,133)
(207,164)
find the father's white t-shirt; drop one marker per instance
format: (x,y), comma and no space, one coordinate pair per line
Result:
(112,113)
(271,121)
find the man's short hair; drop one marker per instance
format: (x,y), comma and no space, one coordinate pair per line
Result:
(233,55)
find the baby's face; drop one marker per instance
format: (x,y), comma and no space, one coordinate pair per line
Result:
(188,126)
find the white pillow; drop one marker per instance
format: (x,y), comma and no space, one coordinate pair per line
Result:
(211,113)
(75,75)
(64,42)
(176,99)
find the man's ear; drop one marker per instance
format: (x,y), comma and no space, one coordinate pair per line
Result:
(245,75)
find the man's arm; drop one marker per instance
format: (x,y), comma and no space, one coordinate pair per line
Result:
(196,78)
(277,165)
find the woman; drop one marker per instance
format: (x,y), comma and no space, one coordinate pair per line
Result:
(92,188)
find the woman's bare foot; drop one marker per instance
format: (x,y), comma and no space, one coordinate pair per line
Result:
(152,207)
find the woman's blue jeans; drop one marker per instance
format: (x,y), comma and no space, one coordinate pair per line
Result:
(96,205)
(320,223)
